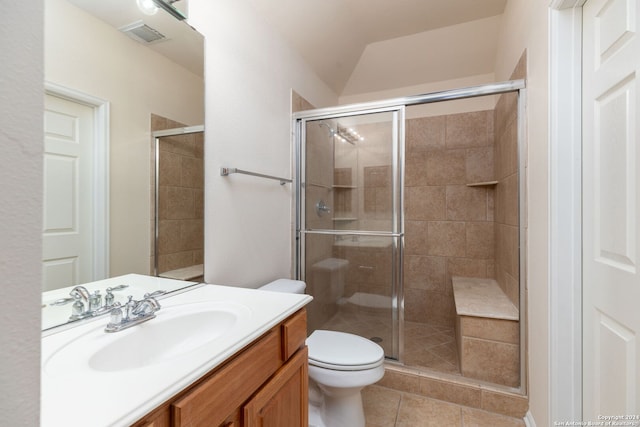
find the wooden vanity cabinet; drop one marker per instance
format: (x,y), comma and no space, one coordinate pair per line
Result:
(265,384)
(282,402)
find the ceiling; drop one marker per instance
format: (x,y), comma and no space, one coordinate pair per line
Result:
(182,45)
(331,35)
(337,37)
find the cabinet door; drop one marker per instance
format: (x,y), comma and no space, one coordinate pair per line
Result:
(234,420)
(283,401)
(214,400)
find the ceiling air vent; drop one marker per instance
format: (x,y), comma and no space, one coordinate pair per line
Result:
(141,32)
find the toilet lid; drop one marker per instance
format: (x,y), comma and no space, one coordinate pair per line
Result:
(343,352)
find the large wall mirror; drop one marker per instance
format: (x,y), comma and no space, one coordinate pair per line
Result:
(118,77)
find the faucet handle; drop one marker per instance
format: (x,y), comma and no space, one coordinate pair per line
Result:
(109,298)
(77,309)
(146,307)
(116,316)
(95,301)
(129,307)
(154,294)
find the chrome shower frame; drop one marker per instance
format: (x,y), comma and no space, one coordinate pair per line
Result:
(299,120)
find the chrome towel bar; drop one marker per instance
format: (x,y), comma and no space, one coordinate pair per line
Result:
(229,171)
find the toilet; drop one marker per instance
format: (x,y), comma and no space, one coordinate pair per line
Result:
(340,366)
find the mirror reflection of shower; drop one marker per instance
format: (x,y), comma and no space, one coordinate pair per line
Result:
(178,191)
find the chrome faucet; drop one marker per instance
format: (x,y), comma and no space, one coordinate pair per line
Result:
(135,312)
(80,292)
(89,305)
(80,308)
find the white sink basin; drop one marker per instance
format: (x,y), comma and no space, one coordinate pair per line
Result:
(175,332)
(138,369)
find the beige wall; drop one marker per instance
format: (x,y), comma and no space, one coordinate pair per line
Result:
(525,27)
(21,133)
(250,73)
(85,54)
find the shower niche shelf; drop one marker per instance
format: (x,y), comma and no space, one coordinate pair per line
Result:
(316,184)
(482,184)
(344,187)
(345,219)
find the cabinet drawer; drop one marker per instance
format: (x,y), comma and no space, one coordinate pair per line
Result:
(294,333)
(211,402)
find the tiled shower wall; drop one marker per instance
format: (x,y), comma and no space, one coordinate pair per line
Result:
(181,207)
(506,212)
(506,173)
(449,226)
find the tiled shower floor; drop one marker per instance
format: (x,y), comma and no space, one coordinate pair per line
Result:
(426,346)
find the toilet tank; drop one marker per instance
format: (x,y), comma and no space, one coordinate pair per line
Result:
(288,286)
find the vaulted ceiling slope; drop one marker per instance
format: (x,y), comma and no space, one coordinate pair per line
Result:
(346,41)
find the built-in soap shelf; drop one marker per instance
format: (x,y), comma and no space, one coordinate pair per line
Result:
(346,219)
(482,184)
(344,186)
(316,184)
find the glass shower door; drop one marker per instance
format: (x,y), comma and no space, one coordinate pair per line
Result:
(350,231)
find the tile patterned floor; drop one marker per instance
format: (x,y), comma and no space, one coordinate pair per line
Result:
(426,346)
(385,407)
(431,346)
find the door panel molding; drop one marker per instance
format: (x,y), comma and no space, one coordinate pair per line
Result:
(100,180)
(610,194)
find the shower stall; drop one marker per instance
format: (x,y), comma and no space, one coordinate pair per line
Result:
(408,213)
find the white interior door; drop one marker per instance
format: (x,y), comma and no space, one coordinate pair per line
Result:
(68,196)
(611,282)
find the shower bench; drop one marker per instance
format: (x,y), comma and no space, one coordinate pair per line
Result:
(487,331)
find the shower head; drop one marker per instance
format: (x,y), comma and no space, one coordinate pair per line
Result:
(331,130)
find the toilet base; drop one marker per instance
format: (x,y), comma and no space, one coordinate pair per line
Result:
(315,416)
(339,411)
(344,411)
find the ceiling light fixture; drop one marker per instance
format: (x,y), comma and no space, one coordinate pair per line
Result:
(148,7)
(348,135)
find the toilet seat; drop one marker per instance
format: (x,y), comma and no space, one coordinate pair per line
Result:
(340,351)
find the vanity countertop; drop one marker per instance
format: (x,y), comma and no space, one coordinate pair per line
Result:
(76,393)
